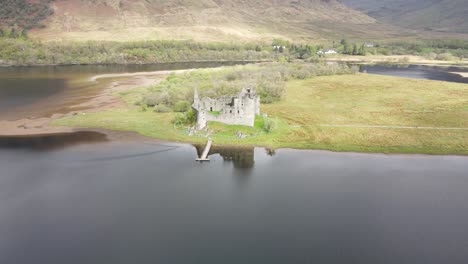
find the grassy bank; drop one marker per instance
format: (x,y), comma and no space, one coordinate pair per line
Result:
(334,100)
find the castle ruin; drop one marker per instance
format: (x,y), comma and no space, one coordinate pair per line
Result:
(232,110)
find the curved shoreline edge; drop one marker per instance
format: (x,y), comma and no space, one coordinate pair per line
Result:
(135,74)
(461,74)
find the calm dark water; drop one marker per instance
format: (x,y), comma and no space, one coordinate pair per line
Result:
(145,202)
(31,92)
(417,72)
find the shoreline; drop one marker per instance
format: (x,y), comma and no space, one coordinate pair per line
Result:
(149,63)
(135,74)
(461,74)
(102,101)
(118,136)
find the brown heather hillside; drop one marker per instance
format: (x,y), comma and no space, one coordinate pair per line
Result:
(23,14)
(213,20)
(431,15)
(208,20)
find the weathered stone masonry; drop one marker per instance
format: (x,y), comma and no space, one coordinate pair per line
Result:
(232,110)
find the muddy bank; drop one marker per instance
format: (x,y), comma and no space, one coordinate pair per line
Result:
(154,73)
(462,74)
(104,100)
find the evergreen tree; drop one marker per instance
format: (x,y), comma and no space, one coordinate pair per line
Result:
(355,50)
(362,50)
(347,49)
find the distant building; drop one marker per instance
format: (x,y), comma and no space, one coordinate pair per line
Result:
(232,110)
(369,45)
(279,48)
(326,52)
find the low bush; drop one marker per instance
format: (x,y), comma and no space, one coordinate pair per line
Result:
(187,118)
(268,124)
(162,109)
(182,106)
(446,57)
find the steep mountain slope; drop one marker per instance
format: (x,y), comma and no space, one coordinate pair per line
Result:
(208,20)
(23,14)
(436,15)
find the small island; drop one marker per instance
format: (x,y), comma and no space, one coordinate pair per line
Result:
(303,106)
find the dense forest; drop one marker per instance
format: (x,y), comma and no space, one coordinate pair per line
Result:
(17,49)
(450,50)
(23,51)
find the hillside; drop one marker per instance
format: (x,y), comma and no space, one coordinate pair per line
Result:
(207,20)
(216,20)
(430,15)
(24,14)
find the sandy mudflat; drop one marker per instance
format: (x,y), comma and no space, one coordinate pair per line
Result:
(462,74)
(102,101)
(155,73)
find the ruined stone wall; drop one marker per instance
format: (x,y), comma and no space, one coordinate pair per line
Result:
(239,110)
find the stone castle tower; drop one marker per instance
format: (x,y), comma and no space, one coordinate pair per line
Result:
(232,110)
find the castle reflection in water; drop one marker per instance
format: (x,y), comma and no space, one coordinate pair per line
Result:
(241,157)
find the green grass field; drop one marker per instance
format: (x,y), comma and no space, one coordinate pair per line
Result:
(354,100)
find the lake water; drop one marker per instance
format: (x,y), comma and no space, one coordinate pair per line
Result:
(148,202)
(417,72)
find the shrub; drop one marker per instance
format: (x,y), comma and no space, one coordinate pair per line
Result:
(161,109)
(430,56)
(446,57)
(182,106)
(187,118)
(268,124)
(404,60)
(157,98)
(268,79)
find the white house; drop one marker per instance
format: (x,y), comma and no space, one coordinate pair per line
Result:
(326,52)
(277,48)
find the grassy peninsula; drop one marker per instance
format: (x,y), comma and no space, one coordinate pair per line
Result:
(347,112)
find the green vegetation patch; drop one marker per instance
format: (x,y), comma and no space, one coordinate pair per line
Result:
(17,50)
(268,79)
(215,113)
